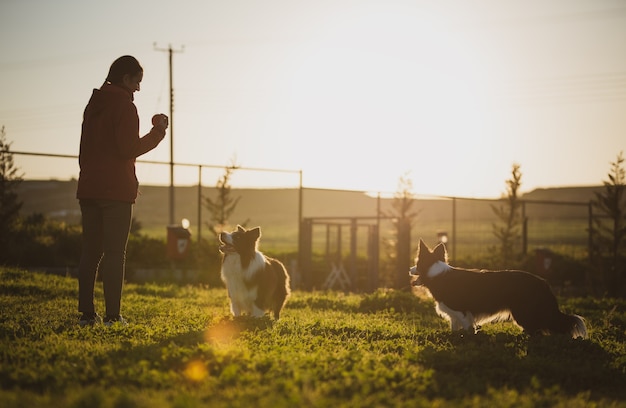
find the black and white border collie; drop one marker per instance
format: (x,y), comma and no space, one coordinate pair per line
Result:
(255,282)
(469,298)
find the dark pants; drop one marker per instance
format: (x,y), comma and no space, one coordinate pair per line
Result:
(106,225)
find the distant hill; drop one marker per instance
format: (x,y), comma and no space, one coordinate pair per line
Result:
(56,199)
(576,194)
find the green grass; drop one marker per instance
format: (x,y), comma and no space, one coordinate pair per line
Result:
(386,349)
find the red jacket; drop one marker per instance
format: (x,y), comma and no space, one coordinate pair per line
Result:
(109,145)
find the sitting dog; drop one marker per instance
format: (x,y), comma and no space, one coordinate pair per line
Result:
(256,283)
(468,298)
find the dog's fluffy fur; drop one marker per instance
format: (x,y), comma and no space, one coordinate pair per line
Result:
(469,298)
(256,283)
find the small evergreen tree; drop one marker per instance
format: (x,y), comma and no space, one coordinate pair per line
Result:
(609,228)
(508,228)
(10,204)
(403,216)
(223,206)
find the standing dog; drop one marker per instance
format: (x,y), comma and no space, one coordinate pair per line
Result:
(469,298)
(255,282)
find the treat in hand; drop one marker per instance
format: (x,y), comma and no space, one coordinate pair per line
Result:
(160,120)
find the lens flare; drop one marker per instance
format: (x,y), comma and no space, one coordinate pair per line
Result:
(196,371)
(223,332)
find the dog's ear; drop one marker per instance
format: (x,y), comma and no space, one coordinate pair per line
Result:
(422,249)
(255,232)
(240,228)
(441,253)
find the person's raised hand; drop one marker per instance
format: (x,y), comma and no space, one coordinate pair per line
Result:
(160,121)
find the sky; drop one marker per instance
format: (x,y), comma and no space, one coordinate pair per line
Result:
(357,95)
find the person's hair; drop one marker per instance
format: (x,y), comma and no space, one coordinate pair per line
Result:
(125,65)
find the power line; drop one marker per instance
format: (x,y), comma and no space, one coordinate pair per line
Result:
(580,88)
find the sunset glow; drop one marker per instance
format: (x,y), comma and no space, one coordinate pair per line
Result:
(355,94)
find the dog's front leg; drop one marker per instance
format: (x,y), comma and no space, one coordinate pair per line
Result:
(256,311)
(458,320)
(235,309)
(456,324)
(453,316)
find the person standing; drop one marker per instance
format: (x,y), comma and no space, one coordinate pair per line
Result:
(108,186)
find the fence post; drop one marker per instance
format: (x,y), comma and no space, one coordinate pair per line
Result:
(591,271)
(524,230)
(454,229)
(199,204)
(304,254)
(403,249)
(353,269)
(373,256)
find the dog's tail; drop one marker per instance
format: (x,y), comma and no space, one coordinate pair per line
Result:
(571,324)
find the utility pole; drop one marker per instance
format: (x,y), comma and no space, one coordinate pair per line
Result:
(171,52)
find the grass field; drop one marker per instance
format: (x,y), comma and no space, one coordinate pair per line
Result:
(387,349)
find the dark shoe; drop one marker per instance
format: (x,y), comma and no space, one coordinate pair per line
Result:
(89,319)
(111,320)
